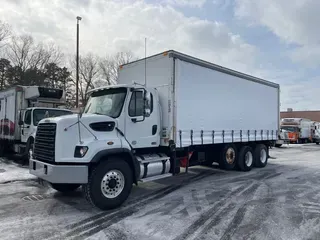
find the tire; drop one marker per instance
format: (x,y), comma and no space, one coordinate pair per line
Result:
(229,157)
(245,158)
(261,155)
(278,145)
(64,188)
(116,171)
(29,150)
(317,143)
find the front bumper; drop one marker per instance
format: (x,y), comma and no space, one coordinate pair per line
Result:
(76,174)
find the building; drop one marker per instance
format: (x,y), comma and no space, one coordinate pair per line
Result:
(312,115)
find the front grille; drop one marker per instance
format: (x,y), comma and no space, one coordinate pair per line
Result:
(44,144)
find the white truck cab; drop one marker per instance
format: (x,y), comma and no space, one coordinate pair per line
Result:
(29,120)
(147,130)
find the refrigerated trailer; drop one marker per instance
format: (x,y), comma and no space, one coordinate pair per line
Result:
(21,108)
(169,112)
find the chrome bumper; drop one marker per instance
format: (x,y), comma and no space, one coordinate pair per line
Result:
(77,174)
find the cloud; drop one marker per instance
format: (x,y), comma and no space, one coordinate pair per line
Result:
(294,22)
(188,3)
(111,26)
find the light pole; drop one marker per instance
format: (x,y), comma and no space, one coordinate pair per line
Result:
(77,64)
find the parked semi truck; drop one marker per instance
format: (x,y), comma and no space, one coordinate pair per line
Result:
(21,109)
(299,129)
(283,138)
(169,112)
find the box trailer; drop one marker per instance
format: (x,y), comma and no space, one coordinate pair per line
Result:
(21,108)
(168,112)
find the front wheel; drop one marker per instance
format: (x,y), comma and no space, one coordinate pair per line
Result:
(109,184)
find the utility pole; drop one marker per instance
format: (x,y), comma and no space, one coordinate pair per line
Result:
(77,64)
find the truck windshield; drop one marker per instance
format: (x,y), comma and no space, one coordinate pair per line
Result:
(39,114)
(107,102)
(290,128)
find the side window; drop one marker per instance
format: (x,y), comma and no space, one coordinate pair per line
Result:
(136,104)
(27,117)
(0,104)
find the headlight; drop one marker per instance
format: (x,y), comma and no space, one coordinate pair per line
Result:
(80,151)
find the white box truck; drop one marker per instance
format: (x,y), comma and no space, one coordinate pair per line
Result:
(21,109)
(169,111)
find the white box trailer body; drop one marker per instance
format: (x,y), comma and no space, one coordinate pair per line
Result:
(169,111)
(203,103)
(10,105)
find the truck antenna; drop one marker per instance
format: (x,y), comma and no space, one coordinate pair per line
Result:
(145,62)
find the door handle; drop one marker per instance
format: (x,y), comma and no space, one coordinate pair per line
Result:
(27,126)
(154,129)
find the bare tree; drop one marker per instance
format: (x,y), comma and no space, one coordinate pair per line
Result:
(110,66)
(24,53)
(89,72)
(45,54)
(19,51)
(5,32)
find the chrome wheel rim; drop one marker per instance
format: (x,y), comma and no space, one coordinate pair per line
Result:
(263,156)
(230,155)
(248,159)
(112,184)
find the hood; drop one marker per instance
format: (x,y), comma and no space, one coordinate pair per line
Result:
(73,118)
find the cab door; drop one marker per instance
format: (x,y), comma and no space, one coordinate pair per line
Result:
(26,126)
(142,130)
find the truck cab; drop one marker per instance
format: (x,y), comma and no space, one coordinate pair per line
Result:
(29,120)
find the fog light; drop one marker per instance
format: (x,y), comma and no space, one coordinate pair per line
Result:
(80,151)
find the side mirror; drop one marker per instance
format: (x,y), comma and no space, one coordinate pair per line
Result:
(20,122)
(147,104)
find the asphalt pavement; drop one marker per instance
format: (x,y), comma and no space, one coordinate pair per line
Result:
(280,201)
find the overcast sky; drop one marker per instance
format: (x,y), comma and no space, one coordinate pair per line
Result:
(277,40)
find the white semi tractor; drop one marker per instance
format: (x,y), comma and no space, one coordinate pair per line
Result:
(169,111)
(21,109)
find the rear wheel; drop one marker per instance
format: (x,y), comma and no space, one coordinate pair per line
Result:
(64,188)
(317,143)
(261,155)
(245,160)
(229,156)
(109,184)
(278,145)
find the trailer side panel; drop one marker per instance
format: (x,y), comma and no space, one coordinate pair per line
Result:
(7,114)
(215,107)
